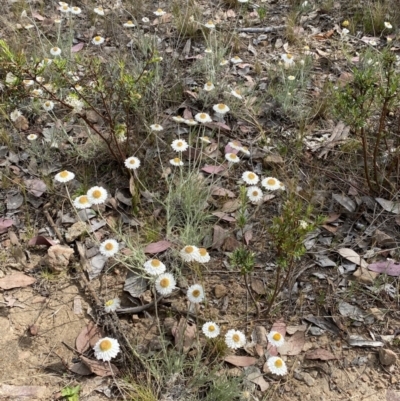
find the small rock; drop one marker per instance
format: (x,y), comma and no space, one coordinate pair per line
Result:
(220,290)
(58,257)
(75,231)
(307,378)
(387,357)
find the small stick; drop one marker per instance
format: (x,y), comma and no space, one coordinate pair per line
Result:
(261,30)
(52,224)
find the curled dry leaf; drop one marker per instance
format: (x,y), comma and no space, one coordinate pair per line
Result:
(389,206)
(99,368)
(5,224)
(352,256)
(389,267)
(184,333)
(40,240)
(213,169)
(88,337)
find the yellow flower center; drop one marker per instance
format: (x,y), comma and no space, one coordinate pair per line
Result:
(177,160)
(232,156)
(189,249)
(179,144)
(64,174)
(210,22)
(105,345)
(203,116)
(255,193)
(55,49)
(155,263)
(83,199)
(164,283)
(64,7)
(159,10)
(271,181)
(130,23)
(289,56)
(251,176)
(196,293)
(236,338)
(203,251)
(278,363)
(109,246)
(209,83)
(277,336)
(245,148)
(96,194)
(110,302)
(97,38)
(132,161)
(211,328)
(221,106)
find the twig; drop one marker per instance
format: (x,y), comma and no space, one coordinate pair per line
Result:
(261,30)
(52,224)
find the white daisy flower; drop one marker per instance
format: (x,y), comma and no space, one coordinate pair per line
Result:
(221,108)
(203,256)
(210,24)
(291,77)
(275,338)
(106,349)
(97,195)
(97,40)
(75,10)
(388,25)
(223,62)
(205,139)
(235,145)
(208,86)
(109,247)
(178,119)
(254,194)
(82,202)
(36,92)
(65,8)
(15,115)
(288,59)
(28,82)
(154,267)
(345,31)
(277,366)
(208,50)
(232,158)
(145,20)
(75,103)
(210,329)
(64,176)
(48,105)
(270,183)
(236,93)
(31,137)
(129,24)
(245,150)
(250,178)
(112,305)
(156,127)
(179,145)
(159,12)
(58,21)
(236,60)
(132,163)
(55,51)
(165,283)
(235,339)
(203,118)
(191,122)
(99,10)
(195,293)
(40,79)
(189,253)
(176,161)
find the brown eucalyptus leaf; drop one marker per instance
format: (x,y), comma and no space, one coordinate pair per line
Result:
(241,361)
(320,353)
(99,368)
(16,280)
(88,337)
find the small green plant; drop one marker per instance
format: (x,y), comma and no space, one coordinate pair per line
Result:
(71,393)
(372,93)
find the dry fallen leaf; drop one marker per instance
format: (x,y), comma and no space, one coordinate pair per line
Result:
(102,369)
(157,247)
(184,333)
(88,337)
(352,256)
(16,280)
(241,361)
(293,345)
(320,353)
